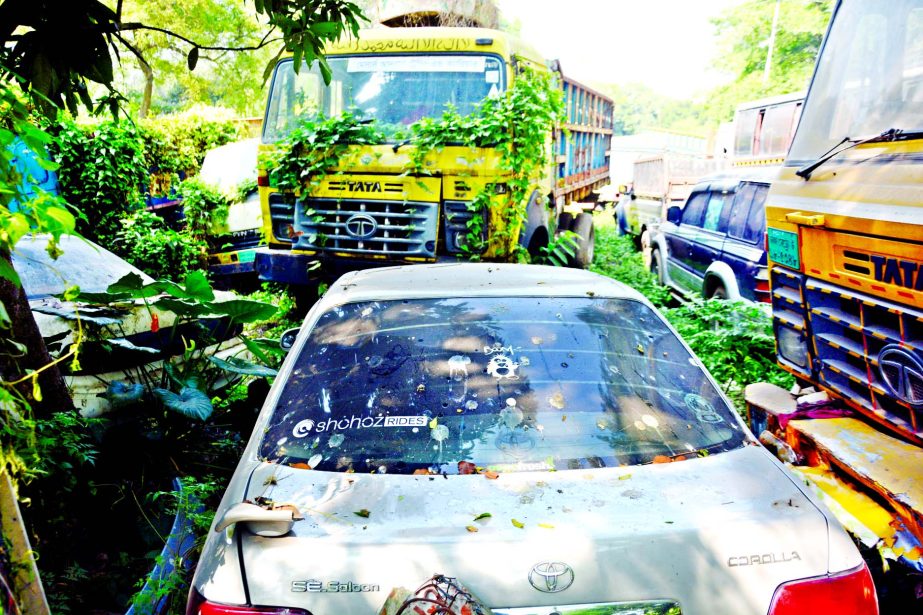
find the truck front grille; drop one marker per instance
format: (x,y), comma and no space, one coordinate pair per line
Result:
(370,228)
(282,215)
(870,351)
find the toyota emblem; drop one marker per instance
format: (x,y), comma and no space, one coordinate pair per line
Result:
(902,374)
(361,226)
(551,577)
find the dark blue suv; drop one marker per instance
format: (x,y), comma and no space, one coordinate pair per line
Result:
(714,245)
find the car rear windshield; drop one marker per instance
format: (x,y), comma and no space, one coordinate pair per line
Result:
(504,384)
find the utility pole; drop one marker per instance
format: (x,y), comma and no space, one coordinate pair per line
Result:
(772,42)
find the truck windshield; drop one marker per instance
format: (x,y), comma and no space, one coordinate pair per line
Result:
(395,90)
(509,384)
(869,78)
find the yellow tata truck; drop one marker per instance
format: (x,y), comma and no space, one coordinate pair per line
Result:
(845,246)
(370,210)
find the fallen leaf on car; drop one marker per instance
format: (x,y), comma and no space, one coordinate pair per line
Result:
(434,423)
(300,465)
(640,348)
(364,513)
(557,401)
(517,523)
(624,476)
(466,467)
(491,475)
(483,516)
(661,459)
(471,528)
(547,526)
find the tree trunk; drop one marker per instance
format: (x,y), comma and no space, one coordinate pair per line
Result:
(24,330)
(148,87)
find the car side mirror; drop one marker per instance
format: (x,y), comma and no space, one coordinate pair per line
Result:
(674,214)
(288,339)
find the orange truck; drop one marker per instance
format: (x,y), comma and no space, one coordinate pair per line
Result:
(845,244)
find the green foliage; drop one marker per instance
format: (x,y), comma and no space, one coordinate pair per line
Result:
(145,241)
(743,31)
(560,249)
(518,124)
(178,143)
(308,25)
(101,171)
(616,257)
(317,146)
(204,207)
(41,212)
(637,107)
(55,66)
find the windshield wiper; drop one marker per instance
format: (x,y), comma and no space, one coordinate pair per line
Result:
(892,134)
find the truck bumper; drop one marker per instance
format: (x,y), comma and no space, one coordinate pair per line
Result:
(232,263)
(283,266)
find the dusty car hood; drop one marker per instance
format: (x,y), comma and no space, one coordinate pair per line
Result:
(718,534)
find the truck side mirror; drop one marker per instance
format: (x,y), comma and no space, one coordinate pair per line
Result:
(674,214)
(288,339)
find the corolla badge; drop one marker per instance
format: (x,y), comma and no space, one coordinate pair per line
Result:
(902,374)
(551,577)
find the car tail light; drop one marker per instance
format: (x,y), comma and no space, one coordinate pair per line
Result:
(262,179)
(198,605)
(847,593)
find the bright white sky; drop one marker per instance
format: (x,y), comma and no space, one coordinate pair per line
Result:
(668,45)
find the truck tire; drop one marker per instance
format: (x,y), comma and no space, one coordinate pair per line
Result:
(583,226)
(657,265)
(565,221)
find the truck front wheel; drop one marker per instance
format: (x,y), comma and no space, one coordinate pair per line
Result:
(583,226)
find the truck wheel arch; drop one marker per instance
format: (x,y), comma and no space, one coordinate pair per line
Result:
(659,245)
(721,274)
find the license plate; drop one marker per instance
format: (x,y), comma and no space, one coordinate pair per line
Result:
(246,257)
(783,248)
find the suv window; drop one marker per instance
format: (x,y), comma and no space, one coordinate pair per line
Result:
(756,220)
(748,213)
(512,383)
(714,221)
(695,206)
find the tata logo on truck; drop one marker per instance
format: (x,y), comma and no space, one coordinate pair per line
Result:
(908,274)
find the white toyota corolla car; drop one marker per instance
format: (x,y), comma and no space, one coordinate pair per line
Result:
(540,434)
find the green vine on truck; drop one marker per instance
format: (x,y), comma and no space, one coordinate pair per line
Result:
(518,124)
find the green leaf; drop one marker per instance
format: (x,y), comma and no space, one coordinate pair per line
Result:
(190,402)
(120,393)
(244,310)
(236,365)
(184,308)
(193,58)
(8,273)
(485,515)
(197,287)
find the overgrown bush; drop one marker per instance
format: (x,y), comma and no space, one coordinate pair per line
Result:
(102,171)
(178,143)
(145,241)
(616,257)
(204,207)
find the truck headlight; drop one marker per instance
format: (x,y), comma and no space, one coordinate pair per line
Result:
(792,347)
